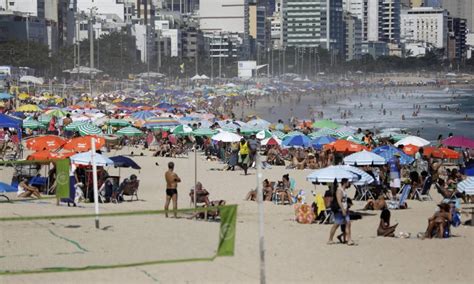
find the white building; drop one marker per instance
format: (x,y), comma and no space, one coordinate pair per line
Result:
(355,7)
(222,15)
(426,25)
(103,7)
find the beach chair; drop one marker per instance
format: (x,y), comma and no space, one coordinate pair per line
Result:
(447,198)
(130,189)
(424,193)
(364,192)
(392,204)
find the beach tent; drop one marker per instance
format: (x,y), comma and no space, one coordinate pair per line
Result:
(10,122)
(364,158)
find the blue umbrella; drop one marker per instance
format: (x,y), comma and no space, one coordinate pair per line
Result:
(6,187)
(5,96)
(319,142)
(143,115)
(296,141)
(388,151)
(124,162)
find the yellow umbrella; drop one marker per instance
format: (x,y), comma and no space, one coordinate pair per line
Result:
(2,104)
(117,101)
(23,96)
(29,108)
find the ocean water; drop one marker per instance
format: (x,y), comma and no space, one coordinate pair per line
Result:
(432,119)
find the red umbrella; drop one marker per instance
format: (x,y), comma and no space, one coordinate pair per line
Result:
(441,153)
(83,144)
(410,149)
(48,155)
(345,146)
(48,142)
(272,142)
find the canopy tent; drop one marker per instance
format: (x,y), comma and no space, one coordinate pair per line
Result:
(10,122)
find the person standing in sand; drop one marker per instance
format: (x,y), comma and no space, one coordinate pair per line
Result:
(172,181)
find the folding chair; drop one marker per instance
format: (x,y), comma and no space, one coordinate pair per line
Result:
(403,197)
(364,192)
(424,193)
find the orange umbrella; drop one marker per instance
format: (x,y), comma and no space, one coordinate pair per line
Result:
(48,155)
(83,144)
(48,142)
(441,153)
(410,149)
(345,146)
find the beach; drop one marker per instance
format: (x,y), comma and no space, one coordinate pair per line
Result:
(294,252)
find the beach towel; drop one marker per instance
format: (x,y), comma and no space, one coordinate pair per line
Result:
(319,200)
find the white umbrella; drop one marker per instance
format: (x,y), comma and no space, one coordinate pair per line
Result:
(32,79)
(86,157)
(331,173)
(196,77)
(364,178)
(204,77)
(364,158)
(413,140)
(225,136)
(466,186)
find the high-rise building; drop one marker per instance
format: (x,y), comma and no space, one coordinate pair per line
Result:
(353,37)
(223,15)
(456,46)
(426,25)
(381,20)
(461,9)
(313,23)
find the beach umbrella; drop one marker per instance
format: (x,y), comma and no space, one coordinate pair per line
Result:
(5,96)
(89,129)
(459,142)
(130,131)
(205,123)
(48,155)
(264,134)
(323,132)
(278,134)
(204,132)
(466,186)
(32,124)
(118,122)
(85,158)
(248,131)
(161,122)
(344,146)
(413,140)
(73,126)
(296,141)
(271,141)
(388,151)
(124,162)
(410,149)
(182,130)
(225,136)
(319,142)
(325,123)
(57,113)
(29,108)
(83,144)
(364,158)
(143,115)
(259,123)
(391,134)
(48,142)
(331,173)
(23,96)
(44,119)
(441,153)
(293,133)
(364,178)
(355,140)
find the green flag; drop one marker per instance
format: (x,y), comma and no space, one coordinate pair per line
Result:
(227,230)
(62,178)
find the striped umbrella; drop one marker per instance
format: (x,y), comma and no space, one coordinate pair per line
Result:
(118,122)
(73,126)
(264,134)
(130,131)
(182,130)
(204,132)
(467,186)
(88,129)
(278,134)
(292,133)
(161,122)
(323,132)
(32,124)
(57,113)
(343,133)
(143,115)
(44,119)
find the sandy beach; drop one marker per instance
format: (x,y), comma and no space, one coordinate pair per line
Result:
(294,252)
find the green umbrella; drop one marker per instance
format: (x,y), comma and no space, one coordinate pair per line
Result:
(264,134)
(278,134)
(44,119)
(182,130)
(322,132)
(57,113)
(89,129)
(73,126)
(130,131)
(204,132)
(32,124)
(118,122)
(249,131)
(325,124)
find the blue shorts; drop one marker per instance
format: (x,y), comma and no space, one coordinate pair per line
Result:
(339,219)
